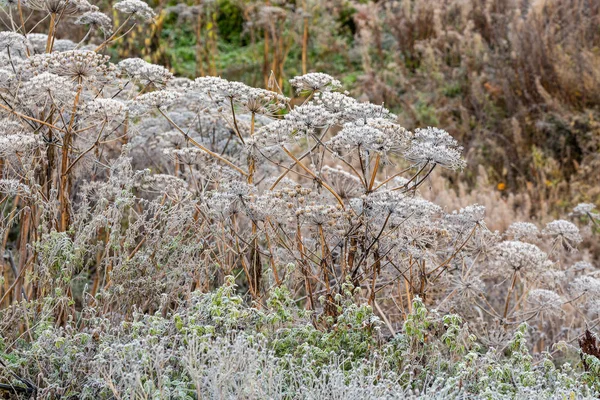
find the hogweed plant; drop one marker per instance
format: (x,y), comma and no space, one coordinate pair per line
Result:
(127,194)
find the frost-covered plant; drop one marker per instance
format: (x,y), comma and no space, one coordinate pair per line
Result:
(126,193)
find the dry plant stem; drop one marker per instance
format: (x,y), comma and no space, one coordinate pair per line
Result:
(237,129)
(29,118)
(266,53)
(302,157)
(390,178)
(64,190)
(509,294)
(271,258)
(374,174)
(50,33)
(324,257)
(241,256)
(304,40)
(251,160)
(198,145)
(455,252)
(114,35)
(304,266)
(86,151)
(405,186)
(320,181)
(319,142)
(198,31)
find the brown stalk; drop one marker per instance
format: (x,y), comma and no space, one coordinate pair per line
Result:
(198,145)
(319,180)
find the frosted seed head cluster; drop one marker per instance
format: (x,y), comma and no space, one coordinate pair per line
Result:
(145,73)
(546,301)
(435,146)
(525,231)
(137,8)
(63,7)
(315,82)
(105,110)
(96,19)
(12,41)
(81,66)
(524,258)
(46,89)
(149,102)
(309,117)
(563,232)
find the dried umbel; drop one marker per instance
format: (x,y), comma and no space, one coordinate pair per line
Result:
(66,7)
(545,301)
(435,146)
(48,89)
(315,82)
(145,73)
(127,191)
(81,66)
(521,258)
(563,233)
(97,20)
(525,231)
(135,8)
(12,41)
